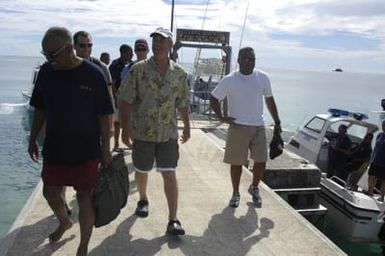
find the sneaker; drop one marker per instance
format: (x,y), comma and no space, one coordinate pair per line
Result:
(142,209)
(254,192)
(175,228)
(234,201)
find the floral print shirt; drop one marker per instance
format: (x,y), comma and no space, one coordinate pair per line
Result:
(154,98)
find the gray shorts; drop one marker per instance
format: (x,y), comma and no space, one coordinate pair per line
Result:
(241,139)
(165,154)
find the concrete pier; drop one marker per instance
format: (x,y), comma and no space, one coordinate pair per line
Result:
(212,228)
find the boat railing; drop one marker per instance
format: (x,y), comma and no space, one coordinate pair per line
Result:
(200,105)
(339,181)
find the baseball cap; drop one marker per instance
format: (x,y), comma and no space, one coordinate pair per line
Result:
(141,42)
(163,32)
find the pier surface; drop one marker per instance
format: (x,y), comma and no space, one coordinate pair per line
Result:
(212,228)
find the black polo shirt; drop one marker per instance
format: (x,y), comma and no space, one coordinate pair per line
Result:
(72,100)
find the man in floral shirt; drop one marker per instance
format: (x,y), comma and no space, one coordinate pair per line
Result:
(149,97)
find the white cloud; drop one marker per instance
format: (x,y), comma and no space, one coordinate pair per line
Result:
(23,23)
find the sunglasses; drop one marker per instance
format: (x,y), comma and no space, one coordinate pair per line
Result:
(81,45)
(54,54)
(248,59)
(140,49)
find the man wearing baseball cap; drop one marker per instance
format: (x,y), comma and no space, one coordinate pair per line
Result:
(149,119)
(141,51)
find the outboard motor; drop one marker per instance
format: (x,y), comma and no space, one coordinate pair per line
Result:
(381,233)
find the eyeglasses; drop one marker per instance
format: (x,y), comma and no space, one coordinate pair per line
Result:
(54,54)
(81,45)
(249,59)
(140,49)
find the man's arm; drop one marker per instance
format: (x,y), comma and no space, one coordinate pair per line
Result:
(38,122)
(272,107)
(112,96)
(216,107)
(112,69)
(186,124)
(105,128)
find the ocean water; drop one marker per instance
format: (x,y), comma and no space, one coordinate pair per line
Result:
(18,175)
(299,95)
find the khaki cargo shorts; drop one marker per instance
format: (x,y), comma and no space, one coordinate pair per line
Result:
(241,139)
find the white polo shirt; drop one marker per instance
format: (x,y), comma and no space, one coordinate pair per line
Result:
(245,95)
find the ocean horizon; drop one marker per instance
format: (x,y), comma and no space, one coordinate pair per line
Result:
(299,96)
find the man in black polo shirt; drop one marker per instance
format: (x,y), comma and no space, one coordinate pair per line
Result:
(71,97)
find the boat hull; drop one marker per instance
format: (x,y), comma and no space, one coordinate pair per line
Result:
(353,214)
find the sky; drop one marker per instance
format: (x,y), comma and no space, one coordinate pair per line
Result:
(318,35)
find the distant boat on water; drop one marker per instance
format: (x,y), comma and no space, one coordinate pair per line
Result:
(338,70)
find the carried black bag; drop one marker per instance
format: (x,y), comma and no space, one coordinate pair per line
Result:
(110,191)
(276,145)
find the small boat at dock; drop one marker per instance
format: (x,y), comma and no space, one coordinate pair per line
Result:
(356,215)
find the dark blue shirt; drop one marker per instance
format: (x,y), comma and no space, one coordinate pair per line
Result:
(378,156)
(71,100)
(342,142)
(116,68)
(363,151)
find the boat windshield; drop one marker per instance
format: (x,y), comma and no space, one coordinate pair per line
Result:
(355,130)
(316,124)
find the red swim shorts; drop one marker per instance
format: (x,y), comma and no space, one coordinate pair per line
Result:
(81,177)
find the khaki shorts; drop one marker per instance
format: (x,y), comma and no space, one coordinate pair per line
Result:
(241,139)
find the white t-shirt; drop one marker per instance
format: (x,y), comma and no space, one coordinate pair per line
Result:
(245,95)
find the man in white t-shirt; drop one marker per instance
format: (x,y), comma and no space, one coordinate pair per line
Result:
(244,90)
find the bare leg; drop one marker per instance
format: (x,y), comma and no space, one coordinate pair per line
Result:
(141,184)
(69,212)
(54,197)
(86,220)
(116,134)
(371,183)
(382,190)
(258,170)
(171,191)
(235,173)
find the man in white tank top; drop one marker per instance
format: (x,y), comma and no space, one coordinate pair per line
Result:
(244,90)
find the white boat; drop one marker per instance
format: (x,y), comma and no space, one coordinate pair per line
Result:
(312,140)
(356,215)
(27,93)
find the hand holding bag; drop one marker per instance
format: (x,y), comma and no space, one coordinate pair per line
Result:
(110,191)
(276,145)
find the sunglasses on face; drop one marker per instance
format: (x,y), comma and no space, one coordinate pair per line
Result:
(248,59)
(54,54)
(81,45)
(140,49)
